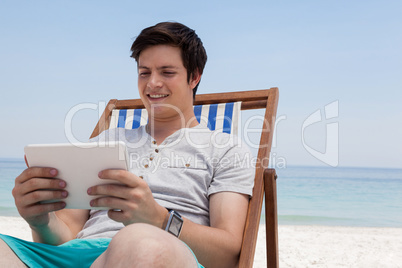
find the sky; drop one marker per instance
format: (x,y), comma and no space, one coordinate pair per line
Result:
(337,64)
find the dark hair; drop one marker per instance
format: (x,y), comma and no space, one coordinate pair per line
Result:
(176,34)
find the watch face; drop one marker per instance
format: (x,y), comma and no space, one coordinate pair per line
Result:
(175,226)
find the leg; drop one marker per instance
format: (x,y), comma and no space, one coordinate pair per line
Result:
(143,245)
(7,257)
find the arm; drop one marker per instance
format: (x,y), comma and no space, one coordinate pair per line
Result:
(220,244)
(63,226)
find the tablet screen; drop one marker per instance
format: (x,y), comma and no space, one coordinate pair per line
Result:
(79,165)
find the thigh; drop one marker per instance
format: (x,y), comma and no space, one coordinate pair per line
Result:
(8,257)
(76,253)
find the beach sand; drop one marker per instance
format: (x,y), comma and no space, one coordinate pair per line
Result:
(304,246)
(329,246)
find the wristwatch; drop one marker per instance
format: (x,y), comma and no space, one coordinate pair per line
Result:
(174,223)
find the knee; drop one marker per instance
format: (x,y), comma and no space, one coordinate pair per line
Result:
(140,240)
(143,245)
(136,233)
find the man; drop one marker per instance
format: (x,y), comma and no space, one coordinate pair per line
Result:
(209,192)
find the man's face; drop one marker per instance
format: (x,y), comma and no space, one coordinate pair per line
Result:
(162,83)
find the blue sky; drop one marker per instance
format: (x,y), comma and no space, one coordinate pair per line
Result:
(57,54)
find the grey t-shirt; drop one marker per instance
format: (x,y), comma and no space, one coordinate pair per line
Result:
(182,172)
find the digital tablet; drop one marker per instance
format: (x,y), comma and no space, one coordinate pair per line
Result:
(79,165)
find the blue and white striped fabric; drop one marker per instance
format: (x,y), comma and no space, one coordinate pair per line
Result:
(222,117)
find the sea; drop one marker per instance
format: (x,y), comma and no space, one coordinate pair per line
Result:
(341,196)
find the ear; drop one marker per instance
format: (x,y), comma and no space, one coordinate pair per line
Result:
(195,79)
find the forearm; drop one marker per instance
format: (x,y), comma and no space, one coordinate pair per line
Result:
(213,247)
(55,232)
(63,226)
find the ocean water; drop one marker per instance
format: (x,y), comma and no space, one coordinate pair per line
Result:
(9,170)
(368,197)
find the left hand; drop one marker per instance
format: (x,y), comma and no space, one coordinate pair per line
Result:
(131,200)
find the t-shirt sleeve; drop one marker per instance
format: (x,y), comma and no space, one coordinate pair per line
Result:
(234,172)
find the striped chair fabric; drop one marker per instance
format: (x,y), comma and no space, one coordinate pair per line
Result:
(223,117)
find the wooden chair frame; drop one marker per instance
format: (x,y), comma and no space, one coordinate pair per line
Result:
(265,178)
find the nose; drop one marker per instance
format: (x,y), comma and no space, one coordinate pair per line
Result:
(154,81)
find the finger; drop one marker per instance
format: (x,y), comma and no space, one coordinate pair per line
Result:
(41,209)
(41,196)
(36,172)
(109,202)
(35,184)
(117,215)
(116,190)
(119,175)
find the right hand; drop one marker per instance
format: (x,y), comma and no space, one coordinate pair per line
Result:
(33,186)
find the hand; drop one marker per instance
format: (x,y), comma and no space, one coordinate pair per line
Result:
(33,186)
(130,199)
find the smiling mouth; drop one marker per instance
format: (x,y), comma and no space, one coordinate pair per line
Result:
(157,96)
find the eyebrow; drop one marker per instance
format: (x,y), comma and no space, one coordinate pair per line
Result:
(159,68)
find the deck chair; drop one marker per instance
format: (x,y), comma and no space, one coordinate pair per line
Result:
(131,114)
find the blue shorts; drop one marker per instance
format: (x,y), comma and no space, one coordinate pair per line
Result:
(75,253)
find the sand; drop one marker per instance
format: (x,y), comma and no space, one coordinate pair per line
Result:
(328,246)
(304,246)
